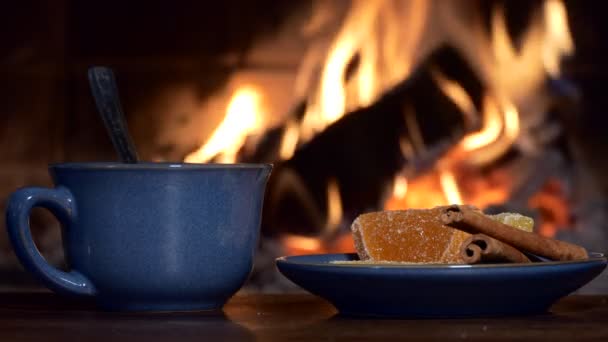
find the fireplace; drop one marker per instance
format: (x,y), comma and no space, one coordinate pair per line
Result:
(360,105)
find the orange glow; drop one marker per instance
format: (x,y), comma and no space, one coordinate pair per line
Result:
(296,244)
(483,189)
(552,205)
(435,188)
(343,244)
(243,117)
(422,192)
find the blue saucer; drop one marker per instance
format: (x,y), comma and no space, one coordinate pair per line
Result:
(438,290)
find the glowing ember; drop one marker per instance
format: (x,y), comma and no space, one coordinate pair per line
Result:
(552,205)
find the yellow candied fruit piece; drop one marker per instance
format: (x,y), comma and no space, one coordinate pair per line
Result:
(515,220)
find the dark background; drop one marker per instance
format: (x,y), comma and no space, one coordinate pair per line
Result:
(46,46)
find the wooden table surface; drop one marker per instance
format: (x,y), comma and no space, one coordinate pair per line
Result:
(47,317)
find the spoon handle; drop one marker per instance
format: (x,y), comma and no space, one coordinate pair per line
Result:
(105,92)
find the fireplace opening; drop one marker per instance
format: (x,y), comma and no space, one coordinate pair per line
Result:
(360,105)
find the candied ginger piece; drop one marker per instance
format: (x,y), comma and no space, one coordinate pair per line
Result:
(515,220)
(414,235)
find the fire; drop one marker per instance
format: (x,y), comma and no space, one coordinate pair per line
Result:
(243,117)
(454,180)
(373,34)
(500,131)
(378,44)
(492,127)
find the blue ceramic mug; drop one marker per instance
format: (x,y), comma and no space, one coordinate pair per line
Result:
(149,236)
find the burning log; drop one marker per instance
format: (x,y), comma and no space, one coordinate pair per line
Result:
(363,152)
(268,149)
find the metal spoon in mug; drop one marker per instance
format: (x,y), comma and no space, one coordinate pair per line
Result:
(105,92)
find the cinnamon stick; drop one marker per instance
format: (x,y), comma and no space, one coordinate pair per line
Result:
(481,248)
(474,222)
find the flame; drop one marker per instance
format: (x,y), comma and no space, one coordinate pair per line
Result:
(492,126)
(399,193)
(334,206)
(501,129)
(243,117)
(513,77)
(459,96)
(400,187)
(558,41)
(289,141)
(377,45)
(450,187)
(518,73)
(372,34)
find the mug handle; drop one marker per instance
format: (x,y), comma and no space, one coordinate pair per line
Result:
(60,202)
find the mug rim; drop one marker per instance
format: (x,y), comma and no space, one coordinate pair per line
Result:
(157,166)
